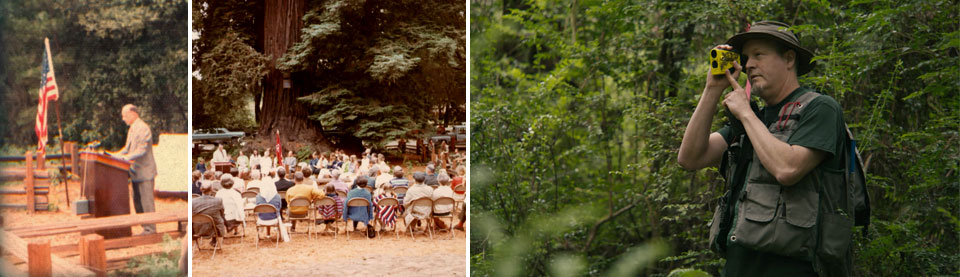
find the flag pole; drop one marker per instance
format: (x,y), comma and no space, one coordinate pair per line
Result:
(63,163)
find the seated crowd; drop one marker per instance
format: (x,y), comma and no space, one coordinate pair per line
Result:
(335,175)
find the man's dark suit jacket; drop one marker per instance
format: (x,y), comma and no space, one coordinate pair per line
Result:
(213,207)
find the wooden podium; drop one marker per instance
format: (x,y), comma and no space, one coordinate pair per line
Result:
(222,166)
(105,183)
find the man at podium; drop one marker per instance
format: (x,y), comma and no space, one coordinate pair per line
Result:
(139,150)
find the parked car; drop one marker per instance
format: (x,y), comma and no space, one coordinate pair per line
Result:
(216,135)
(458,131)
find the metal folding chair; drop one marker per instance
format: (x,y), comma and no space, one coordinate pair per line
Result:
(444,201)
(355,202)
(200,219)
(301,202)
(267,208)
(386,202)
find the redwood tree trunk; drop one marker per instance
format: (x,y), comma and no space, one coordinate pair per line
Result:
(281,110)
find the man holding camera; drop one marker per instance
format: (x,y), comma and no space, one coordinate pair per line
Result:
(775,160)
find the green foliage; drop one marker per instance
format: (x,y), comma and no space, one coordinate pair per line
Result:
(231,74)
(583,104)
(228,68)
(380,69)
(162,264)
(105,54)
(303,153)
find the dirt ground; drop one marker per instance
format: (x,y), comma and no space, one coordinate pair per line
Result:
(168,151)
(329,256)
(14,218)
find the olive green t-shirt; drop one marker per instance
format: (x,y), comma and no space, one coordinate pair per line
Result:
(820,127)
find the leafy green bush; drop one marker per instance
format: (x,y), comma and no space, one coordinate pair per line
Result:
(163,264)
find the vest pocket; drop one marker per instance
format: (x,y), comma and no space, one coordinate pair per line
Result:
(715,229)
(760,202)
(802,204)
(766,225)
(836,233)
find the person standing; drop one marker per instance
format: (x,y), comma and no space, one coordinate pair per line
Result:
(243,163)
(776,161)
(290,161)
(139,150)
(220,155)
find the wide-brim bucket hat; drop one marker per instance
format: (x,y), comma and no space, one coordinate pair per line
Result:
(777,31)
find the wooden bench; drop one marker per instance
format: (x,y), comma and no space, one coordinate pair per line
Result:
(100,223)
(39,259)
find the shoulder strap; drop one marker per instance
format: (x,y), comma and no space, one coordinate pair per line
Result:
(856,181)
(792,110)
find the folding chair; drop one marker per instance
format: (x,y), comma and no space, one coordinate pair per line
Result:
(248,208)
(283,199)
(200,219)
(327,201)
(254,189)
(355,202)
(424,219)
(194,195)
(400,190)
(458,206)
(267,208)
(386,202)
(301,202)
(444,201)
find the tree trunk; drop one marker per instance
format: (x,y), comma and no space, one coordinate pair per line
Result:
(281,110)
(257,96)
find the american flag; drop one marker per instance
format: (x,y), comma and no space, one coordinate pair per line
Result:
(48,91)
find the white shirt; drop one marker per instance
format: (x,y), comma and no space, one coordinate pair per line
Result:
(219,155)
(443,191)
(383,179)
(265,165)
(232,204)
(243,163)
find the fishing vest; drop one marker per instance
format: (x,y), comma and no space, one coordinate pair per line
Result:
(810,220)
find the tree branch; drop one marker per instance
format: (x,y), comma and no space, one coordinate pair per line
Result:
(610,216)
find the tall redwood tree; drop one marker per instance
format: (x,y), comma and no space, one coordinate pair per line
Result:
(280,108)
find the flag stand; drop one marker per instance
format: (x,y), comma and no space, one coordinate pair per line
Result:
(63,163)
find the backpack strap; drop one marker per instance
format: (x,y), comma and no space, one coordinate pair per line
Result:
(790,112)
(856,180)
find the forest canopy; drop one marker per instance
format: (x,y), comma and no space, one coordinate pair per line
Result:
(578,110)
(374,70)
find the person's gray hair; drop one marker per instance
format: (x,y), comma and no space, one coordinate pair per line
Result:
(419,177)
(431,168)
(335,174)
(398,171)
(206,187)
(298,176)
(255,174)
(227,184)
(444,179)
(130,107)
(226,176)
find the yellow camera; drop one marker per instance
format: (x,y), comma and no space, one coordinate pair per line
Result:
(721,60)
